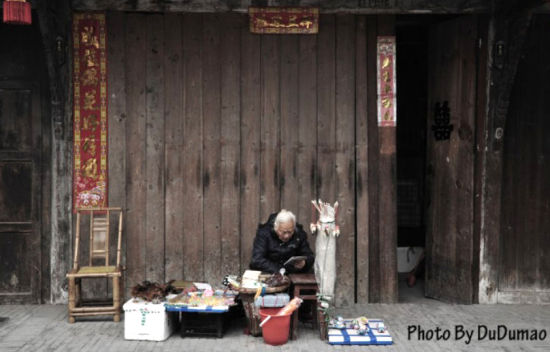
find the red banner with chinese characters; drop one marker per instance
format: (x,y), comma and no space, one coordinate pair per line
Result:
(284,20)
(387,110)
(90,111)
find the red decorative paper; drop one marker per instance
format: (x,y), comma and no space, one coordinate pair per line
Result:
(90,111)
(284,20)
(387,110)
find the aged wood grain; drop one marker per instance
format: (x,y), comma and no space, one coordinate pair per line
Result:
(173,131)
(345,156)
(451,172)
(249,124)
(270,125)
(136,36)
(388,195)
(288,177)
(307,129)
(464,172)
(361,162)
(211,146)
(192,149)
(230,163)
(326,124)
(375,270)
(154,206)
(373,7)
(20,186)
(481,130)
(525,190)
(250,142)
(116,58)
(510,27)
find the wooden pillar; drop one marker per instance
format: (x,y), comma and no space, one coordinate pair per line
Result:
(54,19)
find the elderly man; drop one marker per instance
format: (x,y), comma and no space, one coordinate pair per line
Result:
(279,239)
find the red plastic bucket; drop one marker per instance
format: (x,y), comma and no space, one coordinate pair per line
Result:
(275,330)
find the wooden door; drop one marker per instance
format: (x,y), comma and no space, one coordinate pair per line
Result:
(450,162)
(523,262)
(20,189)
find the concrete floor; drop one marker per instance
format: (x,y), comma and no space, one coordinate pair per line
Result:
(45,328)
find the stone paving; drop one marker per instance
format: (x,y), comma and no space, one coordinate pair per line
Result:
(45,328)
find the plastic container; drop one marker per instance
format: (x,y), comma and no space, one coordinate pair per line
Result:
(275,330)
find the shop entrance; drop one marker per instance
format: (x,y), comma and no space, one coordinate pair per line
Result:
(437,70)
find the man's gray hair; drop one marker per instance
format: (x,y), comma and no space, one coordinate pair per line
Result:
(284,216)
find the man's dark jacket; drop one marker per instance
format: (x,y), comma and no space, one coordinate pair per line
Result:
(270,253)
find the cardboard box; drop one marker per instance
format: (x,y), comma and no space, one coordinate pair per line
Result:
(147,321)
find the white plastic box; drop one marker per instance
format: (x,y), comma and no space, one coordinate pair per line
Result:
(147,321)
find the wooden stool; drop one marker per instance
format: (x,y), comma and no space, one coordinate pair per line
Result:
(303,284)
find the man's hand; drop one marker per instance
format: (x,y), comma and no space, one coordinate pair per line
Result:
(300,264)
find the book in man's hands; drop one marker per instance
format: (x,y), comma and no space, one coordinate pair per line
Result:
(295,259)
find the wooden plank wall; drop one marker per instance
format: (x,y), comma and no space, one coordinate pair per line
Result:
(213,128)
(525,241)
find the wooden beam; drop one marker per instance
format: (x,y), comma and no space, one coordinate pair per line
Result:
(331,6)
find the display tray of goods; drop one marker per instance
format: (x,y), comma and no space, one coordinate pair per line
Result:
(358,331)
(205,300)
(202,308)
(252,281)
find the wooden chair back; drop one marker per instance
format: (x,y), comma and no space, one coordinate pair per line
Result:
(99,241)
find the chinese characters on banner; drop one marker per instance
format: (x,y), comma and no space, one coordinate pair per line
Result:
(387,111)
(284,20)
(90,111)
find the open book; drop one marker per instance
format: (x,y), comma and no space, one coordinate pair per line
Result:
(294,259)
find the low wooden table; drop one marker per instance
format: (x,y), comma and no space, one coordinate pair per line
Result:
(305,287)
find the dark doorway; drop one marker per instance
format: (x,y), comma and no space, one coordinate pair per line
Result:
(412,90)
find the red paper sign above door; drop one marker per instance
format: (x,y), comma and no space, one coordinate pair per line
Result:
(284,20)
(387,110)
